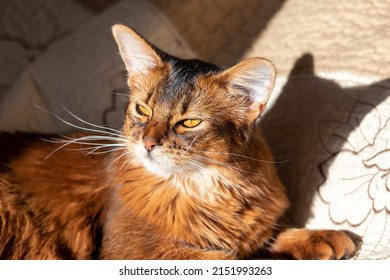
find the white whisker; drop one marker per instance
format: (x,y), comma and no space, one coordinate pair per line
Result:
(192,142)
(96,151)
(238,171)
(121,94)
(196,164)
(225,164)
(243,156)
(89,138)
(127,161)
(116,132)
(84,141)
(112,133)
(118,158)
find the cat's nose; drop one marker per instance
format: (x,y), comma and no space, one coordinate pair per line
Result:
(149,143)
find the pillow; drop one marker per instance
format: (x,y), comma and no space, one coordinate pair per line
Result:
(83,73)
(28,28)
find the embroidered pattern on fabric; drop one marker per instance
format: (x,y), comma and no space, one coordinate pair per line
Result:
(356,185)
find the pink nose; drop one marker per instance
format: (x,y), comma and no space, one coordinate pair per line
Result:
(149,143)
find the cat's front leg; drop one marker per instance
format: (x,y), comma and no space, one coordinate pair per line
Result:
(315,244)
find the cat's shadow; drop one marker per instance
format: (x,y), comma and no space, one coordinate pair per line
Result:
(292,127)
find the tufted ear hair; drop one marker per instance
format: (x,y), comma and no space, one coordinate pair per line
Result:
(254,77)
(137,54)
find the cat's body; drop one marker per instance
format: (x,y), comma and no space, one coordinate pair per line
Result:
(217,210)
(50,208)
(60,206)
(189,176)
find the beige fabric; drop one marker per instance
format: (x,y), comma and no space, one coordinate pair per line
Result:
(220,31)
(25,33)
(84,73)
(343,36)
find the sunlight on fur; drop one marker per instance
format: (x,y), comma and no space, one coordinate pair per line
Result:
(189,175)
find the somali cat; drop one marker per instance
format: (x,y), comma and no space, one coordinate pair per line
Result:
(189,175)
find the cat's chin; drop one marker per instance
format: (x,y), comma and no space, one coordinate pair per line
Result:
(157,168)
(164,168)
(158,164)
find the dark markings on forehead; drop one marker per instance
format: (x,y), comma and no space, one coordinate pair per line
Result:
(181,80)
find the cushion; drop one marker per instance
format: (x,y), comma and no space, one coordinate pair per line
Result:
(83,73)
(25,33)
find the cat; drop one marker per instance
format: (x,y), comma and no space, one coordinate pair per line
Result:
(188,176)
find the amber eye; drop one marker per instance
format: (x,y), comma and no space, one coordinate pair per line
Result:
(190,123)
(142,110)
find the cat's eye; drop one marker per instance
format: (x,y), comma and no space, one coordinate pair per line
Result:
(190,123)
(142,110)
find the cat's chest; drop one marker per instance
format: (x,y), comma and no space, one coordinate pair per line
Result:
(206,212)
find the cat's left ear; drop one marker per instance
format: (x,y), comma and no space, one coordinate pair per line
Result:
(254,77)
(137,54)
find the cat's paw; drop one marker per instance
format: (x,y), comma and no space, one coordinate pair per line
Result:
(306,244)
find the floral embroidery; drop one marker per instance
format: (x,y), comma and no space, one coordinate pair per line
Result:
(356,184)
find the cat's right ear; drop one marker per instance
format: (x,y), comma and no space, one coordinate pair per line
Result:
(137,54)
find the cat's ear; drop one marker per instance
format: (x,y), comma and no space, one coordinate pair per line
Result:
(137,54)
(254,77)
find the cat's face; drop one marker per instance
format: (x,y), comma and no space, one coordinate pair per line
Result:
(186,116)
(181,123)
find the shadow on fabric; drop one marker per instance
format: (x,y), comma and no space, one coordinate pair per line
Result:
(303,130)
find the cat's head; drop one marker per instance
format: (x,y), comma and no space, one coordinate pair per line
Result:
(185,116)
